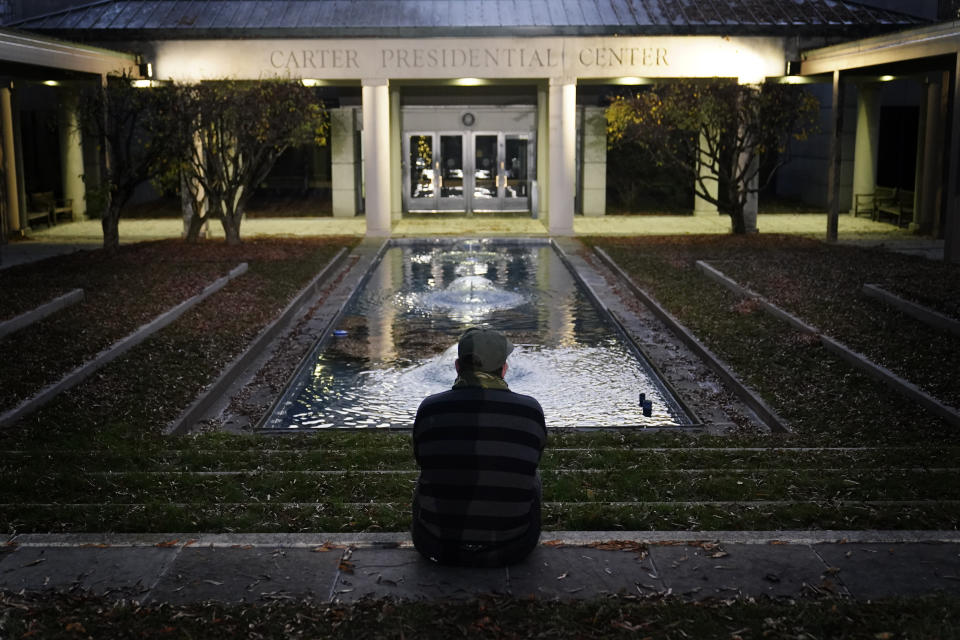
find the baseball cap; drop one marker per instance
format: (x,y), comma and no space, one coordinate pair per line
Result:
(483,349)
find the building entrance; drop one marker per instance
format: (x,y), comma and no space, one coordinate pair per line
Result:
(467,171)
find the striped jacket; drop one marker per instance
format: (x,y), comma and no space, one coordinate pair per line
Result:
(478,451)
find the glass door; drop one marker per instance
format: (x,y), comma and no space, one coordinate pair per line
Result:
(421,193)
(516,162)
(434,171)
(450,169)
(486,170)
(482,172)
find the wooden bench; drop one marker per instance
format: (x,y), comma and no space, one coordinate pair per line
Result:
(885,201)
(40,208)
(62,209)
(896,203)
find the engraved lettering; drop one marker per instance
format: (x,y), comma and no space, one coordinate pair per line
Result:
(386,56)
(276,59)
(662,57)
(352,59)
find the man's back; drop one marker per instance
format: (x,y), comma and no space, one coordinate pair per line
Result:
(478,451)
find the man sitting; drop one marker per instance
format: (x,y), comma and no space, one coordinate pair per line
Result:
(477,500)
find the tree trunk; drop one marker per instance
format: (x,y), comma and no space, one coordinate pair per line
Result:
(110,223)
(737,223)
(231,228)
(194,228)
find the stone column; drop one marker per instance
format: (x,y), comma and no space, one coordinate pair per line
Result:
(835,158)
(396,154)
(867,140)
(71,153)
(542,203)
(929,192)
(751,207)
(10,163)
(710,180)
(563,141)
(343,187)
(594,162)
(376,152)
(951,226)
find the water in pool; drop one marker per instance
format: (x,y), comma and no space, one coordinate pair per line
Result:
(396,343)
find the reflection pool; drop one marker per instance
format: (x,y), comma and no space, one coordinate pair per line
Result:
(395,342)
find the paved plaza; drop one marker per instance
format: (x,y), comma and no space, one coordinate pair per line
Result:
(173,568)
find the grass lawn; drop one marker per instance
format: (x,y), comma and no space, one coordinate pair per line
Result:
(860,455)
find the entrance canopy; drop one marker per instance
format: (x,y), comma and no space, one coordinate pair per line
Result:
(931,56)
(21,51)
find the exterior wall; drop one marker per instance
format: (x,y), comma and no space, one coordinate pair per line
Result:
(804,177)
(594,159)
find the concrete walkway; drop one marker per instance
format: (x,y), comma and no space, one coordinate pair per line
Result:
(331,567)
(860,231)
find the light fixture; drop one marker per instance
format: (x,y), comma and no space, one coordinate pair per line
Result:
(470,82)
(51,83)
(887,78)
(145,84)
(146,69)
(311,82)
(631,80)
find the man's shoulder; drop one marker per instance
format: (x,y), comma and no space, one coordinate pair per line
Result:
(475,394)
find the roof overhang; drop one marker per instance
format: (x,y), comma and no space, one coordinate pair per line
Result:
(913,44)
(21,48)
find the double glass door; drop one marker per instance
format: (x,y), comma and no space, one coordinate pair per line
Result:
(467,171)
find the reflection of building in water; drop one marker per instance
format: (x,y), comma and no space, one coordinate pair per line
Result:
(472,109)
(386,279)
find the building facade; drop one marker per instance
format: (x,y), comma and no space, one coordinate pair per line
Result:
(479,107)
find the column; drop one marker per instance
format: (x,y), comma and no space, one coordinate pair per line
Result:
(835,159)
(376,152)
(541,202)
(71,153)
(752,204)
(396,166)
(930,163)
(343,187)
(563,139)
(867,139)
(748,166)
(594,162)
(709,180)
(951,231)
(10,163)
